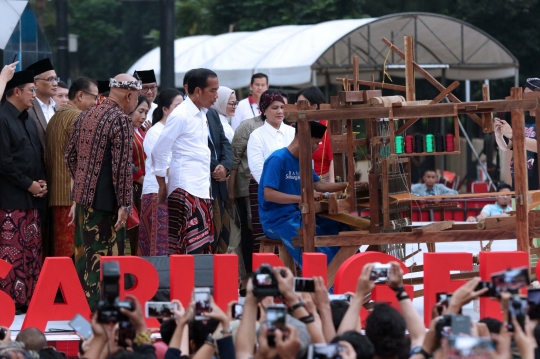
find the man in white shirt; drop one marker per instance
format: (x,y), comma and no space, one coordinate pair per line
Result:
(185,135)
(249,107)
(150,91)
(44,107)
(499,208)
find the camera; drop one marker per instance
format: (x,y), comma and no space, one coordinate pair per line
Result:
(276,318)
(517,309)
(109,305)
(325,351)
(202,303)
(470,347)
(533,300)
(304,285)
(453,324)
(380,273)
(511,280)
(265,283)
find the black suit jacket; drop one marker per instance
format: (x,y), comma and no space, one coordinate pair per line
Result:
(221,154)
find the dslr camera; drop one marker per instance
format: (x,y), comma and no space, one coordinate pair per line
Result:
(109,305)
(453,324)
(265,283)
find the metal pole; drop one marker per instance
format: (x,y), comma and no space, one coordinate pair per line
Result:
(166,42)
(62,56)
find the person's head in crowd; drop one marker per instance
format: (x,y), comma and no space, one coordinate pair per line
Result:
(317,131)
(258,84)
(45,79)
(33,339)
(160,349)
(504,200)
(339,309)
(430,177)
(21,91)
(167,101)
(125,92)
(149,84)
(362,345)
(285,96)
(138,116)
(494,325)
(83,93)
(166,330)
(15,353)
(50,353)
(61,96)
(125,354)
(272,106)
(385,328)
(311,94)
(198,331)
(226,102)
(532,84)
(202,87)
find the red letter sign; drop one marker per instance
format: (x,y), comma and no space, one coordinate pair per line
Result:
(7,314)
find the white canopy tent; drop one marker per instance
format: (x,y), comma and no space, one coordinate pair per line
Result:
(11,13)
(297,55)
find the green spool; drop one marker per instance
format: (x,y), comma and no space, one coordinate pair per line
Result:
(399,144)
(429,143)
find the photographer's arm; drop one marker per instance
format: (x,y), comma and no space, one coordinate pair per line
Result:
(323,306)
(285,284)
(99,339)
(464,295)
(247,330)
(364,286)
(415,326)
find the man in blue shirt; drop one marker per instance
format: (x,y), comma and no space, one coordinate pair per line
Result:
(280,194)
(499,209)
(430,187)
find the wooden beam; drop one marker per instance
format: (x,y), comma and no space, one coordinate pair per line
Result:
(497,223)
(521,183)
(487,118)
(415,237)
(433,227)
(437,99)
(430,78)
(349,219)
(409,69)
(376,84)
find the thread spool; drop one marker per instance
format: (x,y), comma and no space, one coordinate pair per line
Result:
(418,143)
(429,143)
(450,143)
(439,143)
(409,144)
(398,144)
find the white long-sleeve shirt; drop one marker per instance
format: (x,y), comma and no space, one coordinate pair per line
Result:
(263,142)
(185,136)
(150,184)
(245,110)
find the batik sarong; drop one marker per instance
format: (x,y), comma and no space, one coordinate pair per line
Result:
(191,225)
(64,235)
(20,245)
(95,237)
(154,227)
(255,221)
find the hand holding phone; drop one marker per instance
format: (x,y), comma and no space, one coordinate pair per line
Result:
(304,285)
(81,326)
(160,309)
(202,303)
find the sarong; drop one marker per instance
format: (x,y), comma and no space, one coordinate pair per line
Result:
(154,227)
(64,235)
(255,222)
(191,226)
(20,245)
(222,226)
(95,237)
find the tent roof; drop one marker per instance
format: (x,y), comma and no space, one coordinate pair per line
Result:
(295,55)
(11,11)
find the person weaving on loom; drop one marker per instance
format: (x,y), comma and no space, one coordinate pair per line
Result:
(500,209)
(280,194)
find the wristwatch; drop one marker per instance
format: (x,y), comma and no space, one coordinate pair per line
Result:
(226,331)
(421,351)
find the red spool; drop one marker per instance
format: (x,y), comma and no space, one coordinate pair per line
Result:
(409,144)
(450,143)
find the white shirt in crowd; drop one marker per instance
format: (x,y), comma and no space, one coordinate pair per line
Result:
(245,110)
(153,106)
(48,110)
(150,184)
(185,137)
(263,142)
(229,132)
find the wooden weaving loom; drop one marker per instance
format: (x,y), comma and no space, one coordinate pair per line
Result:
(389,200)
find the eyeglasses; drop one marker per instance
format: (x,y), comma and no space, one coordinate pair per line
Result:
(145,89)
(233,104)
(96,97)
(31,90)
(49,79)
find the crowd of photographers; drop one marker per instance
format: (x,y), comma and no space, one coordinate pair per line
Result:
(273,320)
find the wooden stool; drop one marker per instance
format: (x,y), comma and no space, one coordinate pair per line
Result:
(268,245)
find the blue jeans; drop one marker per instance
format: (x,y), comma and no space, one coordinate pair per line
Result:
(324,226)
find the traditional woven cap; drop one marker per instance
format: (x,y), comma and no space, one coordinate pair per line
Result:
(146,76)
(533,83)
(20,78)
(41,66)
(268,98)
